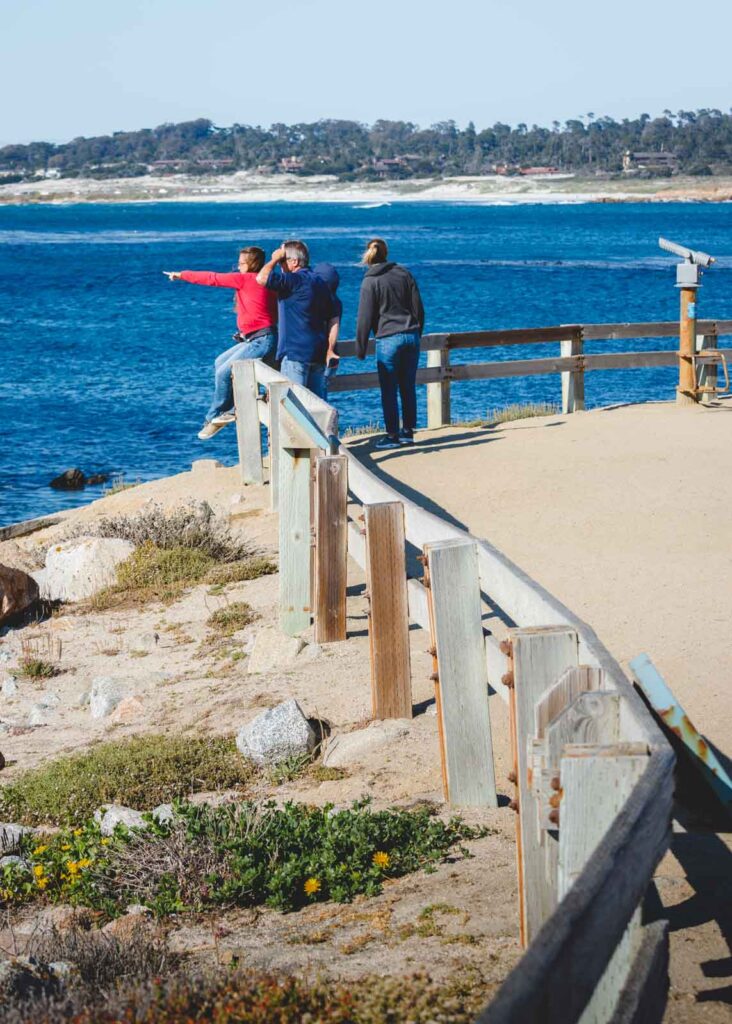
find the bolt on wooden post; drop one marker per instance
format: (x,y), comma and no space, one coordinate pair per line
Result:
(386,579)
(331,547)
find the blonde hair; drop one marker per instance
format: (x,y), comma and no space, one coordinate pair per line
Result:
(376,252)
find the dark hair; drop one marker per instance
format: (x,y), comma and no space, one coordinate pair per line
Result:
(254,257)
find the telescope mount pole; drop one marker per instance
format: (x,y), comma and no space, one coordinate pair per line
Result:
(686,393)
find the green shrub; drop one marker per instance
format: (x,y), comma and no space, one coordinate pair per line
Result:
(140,772)
(231,618)
(243,569)
(153,574)
(193,526)
(36,668)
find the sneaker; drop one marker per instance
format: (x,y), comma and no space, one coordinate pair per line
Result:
(387,441)
(407,437)
(208,430)
(223,418)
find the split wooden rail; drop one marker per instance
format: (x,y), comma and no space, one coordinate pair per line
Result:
(571,363)
(592,774)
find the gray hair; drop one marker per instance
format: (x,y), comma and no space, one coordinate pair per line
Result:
(295,250)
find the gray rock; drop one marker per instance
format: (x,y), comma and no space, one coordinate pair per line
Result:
(38,715)
(112,815)
(348,748)
(10,686)
(24,979)
(49,699)
(5,656)
(273,650)
(70,480)
(84,698)
(10,836)
(13,858)
(163,813)
(276,734)
(311,651)
(79,568)
(106,693)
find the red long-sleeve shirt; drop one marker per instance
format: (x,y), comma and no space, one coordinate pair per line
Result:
(256,306)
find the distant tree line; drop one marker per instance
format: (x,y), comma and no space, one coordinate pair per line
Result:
(695,142)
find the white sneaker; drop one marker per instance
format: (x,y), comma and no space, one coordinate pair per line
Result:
(224,418)
(208,430)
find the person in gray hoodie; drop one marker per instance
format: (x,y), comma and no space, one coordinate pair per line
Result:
(390,305)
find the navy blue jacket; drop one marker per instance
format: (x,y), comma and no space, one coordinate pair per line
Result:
(306,308)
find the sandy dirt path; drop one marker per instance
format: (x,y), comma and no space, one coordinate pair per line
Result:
(623,514)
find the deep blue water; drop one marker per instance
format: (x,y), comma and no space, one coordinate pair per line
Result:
(107,366)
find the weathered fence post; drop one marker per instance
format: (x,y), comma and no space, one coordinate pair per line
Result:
(294,474)
(331,547)
(596,782)
(457,636)
(275,392)
(438,394)
(386,579)
(707,372)
(573,381)
(248,435)
(540,657)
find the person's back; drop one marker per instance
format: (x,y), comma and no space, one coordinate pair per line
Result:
(390,304)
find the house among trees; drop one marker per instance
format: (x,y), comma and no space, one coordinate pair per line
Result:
(291,163)
(654,163)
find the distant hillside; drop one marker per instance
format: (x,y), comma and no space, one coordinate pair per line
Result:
(688,142)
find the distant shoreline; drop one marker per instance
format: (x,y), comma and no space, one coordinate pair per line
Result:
(251,188)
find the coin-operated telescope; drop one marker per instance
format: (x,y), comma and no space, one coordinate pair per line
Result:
(688,274)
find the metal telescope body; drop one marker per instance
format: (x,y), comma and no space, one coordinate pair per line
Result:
(688,272)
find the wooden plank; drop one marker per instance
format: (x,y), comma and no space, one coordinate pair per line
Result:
(457,635)
(557,975)
(301,426)
(594,791)
(28,526)
(673,718)
(248,435)
(438,395)
(331,547)
(573,382)
(275,392)
(540,657)
(644,996)
(294,538)
(386,579)
(553,701)
(707,374)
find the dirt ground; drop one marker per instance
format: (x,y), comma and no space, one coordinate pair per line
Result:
(623,514)
(470,903)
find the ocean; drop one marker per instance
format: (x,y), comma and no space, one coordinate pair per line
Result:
(107,366)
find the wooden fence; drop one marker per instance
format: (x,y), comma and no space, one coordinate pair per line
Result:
(572,362)
(592,772)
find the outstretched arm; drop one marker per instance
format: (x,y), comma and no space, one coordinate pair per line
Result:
(172,275)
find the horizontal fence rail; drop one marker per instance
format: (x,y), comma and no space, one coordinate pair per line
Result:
(593,774)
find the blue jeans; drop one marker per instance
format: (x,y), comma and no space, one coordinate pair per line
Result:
(396,360)
(262,347)
(310,375)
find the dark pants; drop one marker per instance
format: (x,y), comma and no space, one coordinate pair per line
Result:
(396,360)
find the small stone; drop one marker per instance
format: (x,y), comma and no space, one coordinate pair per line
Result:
(111,815)
(38,715)
(106,693)
(10,836)
(128,927)
(128,709)
(5,656)
(69,480)
(355,747)
(49,699)
(84,698)
(276,734)
(13,858)
(10,686)
(311,651)
(273,650)
(205,465)
(163,813)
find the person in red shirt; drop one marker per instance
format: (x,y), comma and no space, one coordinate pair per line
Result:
(256,338)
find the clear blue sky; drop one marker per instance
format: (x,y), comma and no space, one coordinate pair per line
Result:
(84,68)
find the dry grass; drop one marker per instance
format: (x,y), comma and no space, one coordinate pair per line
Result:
(520,411)
(230,619)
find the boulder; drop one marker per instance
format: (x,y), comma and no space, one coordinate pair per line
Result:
(10,686)
(112,815)
(97,478)
(349,748)
(69,480)
(128,709)
(79,568)
(10,836)
(24,978)
(105,694)
(276,734)
(38,715)
(18,591)
(273,650)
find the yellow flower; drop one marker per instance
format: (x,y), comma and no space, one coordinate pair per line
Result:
(41,883)
(72,867)
(311,886)
(381,859)
(38,870)
(39,850)
(66,846)
(84,863)
(78,832)
(104,842)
